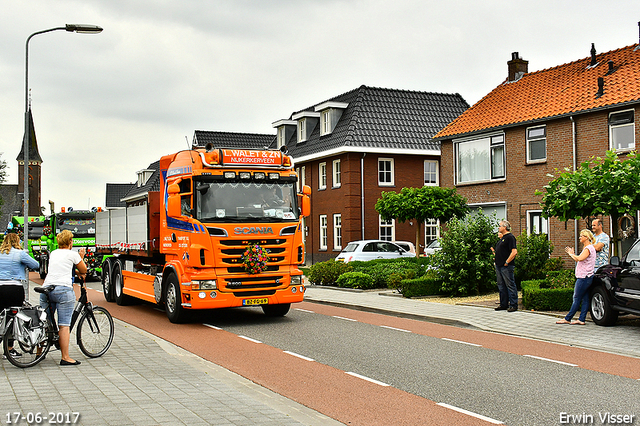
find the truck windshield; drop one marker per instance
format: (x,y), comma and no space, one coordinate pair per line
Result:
(246,201)
(81,226)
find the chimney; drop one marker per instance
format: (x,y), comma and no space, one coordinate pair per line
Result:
(517,67)
(600,87)
(593,55)
(611,68)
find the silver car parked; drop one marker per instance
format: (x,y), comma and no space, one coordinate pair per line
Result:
(371,249)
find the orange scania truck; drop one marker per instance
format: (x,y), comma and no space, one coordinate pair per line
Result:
(225,229)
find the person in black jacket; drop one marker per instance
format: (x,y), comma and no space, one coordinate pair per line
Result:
(505,264)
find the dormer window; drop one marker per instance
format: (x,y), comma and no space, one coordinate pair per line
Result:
(302,130)
(307,121)
(286,128)
(143,177)
(330,115)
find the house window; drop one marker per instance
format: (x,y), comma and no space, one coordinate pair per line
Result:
(303,177)
(430,173)
(302,130)
(536,224)
(387,229)
(536,144)
(325,125)
(323,232)
(337,174)
(281,137)
(622,130)
(385,171)
(431,230)
(298,187)
(337,232)
(322,176)
(490,209)
(480,160)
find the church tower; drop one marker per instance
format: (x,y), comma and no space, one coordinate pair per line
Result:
(35,162)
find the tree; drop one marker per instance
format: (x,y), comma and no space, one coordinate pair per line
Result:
(420,204)
(600,186)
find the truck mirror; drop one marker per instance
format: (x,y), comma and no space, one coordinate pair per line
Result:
(173,205)
(173,188)
(306,205)
(306,190)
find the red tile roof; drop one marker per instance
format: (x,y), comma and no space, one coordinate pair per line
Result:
(563,90)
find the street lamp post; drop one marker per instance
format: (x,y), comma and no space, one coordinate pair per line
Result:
(77,28)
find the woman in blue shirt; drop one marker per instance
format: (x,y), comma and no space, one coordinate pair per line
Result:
(13,261)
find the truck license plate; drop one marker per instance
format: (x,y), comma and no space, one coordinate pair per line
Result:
(251,302)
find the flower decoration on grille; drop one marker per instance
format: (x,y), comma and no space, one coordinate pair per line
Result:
(255,258)
(46,230)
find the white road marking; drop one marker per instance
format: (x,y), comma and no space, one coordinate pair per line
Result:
(397,329)
(460,341)
(343,318)
(368,379)
(469,413)
(249,339)
(212,326)
(304,310)
(299,356)
(551,360)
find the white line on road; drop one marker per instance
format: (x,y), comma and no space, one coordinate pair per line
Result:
(472,414)
(460,341)
(343,318)
(552,360)
(304,310)
(212,326)
(397,329)
(249,339)
(368,379)
(299,356)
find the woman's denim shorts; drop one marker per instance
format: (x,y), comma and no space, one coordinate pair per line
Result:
(63,300)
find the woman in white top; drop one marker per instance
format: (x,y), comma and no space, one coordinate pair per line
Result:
(62,297)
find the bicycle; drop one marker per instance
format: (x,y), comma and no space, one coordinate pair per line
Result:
(94,334)
(25,326)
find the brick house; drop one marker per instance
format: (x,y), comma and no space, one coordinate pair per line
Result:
(499,151)
(352,147)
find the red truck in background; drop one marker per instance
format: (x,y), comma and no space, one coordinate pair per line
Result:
(224,230)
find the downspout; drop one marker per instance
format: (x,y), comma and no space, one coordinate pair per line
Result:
(574,147)
(362,193)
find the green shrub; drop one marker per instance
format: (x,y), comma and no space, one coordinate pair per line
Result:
(427,285)
(327,273)
(560,279)
(533,256)
(382,269)
(356,280)
(465,264)
(545,299)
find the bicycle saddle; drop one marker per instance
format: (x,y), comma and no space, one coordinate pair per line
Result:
(43,290)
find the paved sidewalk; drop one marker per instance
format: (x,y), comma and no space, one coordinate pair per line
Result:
(621,339)
(143,380)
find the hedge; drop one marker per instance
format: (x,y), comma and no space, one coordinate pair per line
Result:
(545,299)
(356,280)
(424,286)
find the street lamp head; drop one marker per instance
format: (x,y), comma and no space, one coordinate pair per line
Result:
(83,29)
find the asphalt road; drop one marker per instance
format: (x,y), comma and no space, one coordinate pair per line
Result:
(365,368)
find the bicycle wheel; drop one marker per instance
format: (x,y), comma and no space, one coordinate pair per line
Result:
(24,354)
(95,332)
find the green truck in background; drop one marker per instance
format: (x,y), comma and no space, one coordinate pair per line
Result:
(43,231)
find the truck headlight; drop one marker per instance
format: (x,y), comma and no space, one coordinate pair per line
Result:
(203,284)
(296,280)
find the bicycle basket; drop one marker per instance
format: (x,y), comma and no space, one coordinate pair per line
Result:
(29,326)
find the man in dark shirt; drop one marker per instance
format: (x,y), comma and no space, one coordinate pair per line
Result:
(505,254)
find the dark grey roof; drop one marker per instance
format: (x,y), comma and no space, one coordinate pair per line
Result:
(152,184)
(11,203)
(384,119)
(34,154)
(116,192)
(233,140)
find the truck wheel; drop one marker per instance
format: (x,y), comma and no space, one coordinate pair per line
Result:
(173,301)
(107,282)
(276,310)
(601,311)
(117,281)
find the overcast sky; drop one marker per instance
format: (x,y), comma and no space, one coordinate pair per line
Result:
(108,105)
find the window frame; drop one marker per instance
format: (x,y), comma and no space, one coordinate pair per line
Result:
(436,173)
(431,224)
(336,171)
(542,222)
(390,172)
(302,130)
(495,143)
(337,231)
(323,235)
(614,126)
(536,139)
(322,175)
(386,224)
(325,122)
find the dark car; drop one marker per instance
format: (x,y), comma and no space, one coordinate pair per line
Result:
(616,288)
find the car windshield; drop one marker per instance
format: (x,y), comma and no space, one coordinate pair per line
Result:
(81,226)
(243,201)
